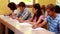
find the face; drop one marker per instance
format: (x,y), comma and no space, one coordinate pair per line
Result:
(34,10)
(50,13)
(21,8)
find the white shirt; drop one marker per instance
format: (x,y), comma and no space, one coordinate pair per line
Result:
(16,11)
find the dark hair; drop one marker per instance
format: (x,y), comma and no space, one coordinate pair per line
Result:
(51,7)
(12,6)
(38,13)
(57,9)
(22,4)
(43,7)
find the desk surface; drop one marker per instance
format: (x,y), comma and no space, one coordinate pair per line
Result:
(15,26)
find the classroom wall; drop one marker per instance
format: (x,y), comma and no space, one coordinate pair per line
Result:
(3,7)
(5,10)
(46,2)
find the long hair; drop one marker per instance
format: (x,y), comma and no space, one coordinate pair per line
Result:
(38,13)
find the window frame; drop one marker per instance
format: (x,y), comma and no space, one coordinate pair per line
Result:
(26,5)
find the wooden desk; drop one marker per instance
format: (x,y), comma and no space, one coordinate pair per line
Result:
(14,25)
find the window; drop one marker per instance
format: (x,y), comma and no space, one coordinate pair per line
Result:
(58,2)
(27,2)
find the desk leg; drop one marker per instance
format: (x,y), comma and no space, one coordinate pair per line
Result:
(6,30)
(2,29)
(10,31)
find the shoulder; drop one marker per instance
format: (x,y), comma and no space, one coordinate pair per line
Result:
(16,11)
(42,17)
(26,10)
(47,18)
(58,16)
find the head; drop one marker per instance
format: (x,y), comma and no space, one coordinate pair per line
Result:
(21,6)
(43,7)
(57,9)
(12,6)
(36,8)
(37,11)
(51,9)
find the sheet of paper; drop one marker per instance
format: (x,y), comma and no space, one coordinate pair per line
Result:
(37,28)
(25,24)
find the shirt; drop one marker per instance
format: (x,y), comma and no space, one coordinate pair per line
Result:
(41,17)
(25,14)
(16,11)
(54,25)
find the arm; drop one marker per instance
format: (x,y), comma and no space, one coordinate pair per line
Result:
(28,20)
(41,19)
(59,26)
(40,24)
(43,23)
(26,15)
(22,20)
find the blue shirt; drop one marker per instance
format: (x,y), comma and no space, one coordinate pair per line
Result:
(25,14)
(54,25)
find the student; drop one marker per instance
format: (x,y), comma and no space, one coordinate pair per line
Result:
(14,10)
(13,7)
(24,12)
(43,8)
(53,19)
(38,17)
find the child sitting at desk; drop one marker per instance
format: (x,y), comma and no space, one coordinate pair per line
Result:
(38,17)
(14,10)
(24,13)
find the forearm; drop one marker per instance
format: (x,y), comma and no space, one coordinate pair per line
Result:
(42,24)
(20,20)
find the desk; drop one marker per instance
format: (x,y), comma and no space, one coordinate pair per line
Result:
(16,27)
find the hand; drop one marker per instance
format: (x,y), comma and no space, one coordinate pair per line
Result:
(16,18)
(35,26)
(20,20)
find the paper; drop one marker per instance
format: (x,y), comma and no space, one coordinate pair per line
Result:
(37,28)
(25,24)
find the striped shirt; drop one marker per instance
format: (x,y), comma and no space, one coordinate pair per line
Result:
(54,25)
(25,15)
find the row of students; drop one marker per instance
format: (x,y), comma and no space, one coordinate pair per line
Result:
(24,13)
(38,19)
(53,18)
